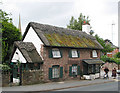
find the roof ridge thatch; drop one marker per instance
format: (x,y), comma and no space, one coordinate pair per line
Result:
(62,37)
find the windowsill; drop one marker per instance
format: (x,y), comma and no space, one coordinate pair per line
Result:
(94,57)
(57,57)
(74,57)
(56,78)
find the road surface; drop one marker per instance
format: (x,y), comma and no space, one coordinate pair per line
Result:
(111,86)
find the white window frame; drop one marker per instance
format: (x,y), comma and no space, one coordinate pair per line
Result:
(74,53)
(55,72)
(94,53)
(56,53)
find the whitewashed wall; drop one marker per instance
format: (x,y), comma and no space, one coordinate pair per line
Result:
(18,56)
(32,37)
(86,28)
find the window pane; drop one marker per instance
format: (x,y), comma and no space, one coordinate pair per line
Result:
(74,70)
(55,72)
(91,69)
(74,53)
(94,53)
(97,68)
(56,53)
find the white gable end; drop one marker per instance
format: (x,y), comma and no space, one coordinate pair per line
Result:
(32,37)
(18,56)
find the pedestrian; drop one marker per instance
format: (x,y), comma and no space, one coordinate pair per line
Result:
(106,72)
(114,73)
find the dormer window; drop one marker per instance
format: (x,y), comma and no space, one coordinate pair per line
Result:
(74,53)
(94,53)
(56,53)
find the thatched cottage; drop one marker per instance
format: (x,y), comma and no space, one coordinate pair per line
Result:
(59,53)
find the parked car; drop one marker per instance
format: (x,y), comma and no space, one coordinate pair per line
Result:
(118,71)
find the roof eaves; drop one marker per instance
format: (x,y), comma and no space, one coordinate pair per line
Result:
(73,47)
(26,31)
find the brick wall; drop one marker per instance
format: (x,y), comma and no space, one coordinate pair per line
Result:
(65,61)
(111,54)
(5,79)
(32,77)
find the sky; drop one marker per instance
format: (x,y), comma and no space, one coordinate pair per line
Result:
(102,13)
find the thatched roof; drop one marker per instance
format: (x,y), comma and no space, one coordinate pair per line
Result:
(62,37)
(28,50)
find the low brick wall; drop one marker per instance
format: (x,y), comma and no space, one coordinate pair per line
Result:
(32,77)
(5,79)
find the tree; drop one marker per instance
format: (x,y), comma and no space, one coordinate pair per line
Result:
(117,59)
(117,55)
(77,24)
(107,47)
(9,34)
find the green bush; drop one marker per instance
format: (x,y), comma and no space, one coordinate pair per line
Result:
(105,58)
(4,67)
(117,55)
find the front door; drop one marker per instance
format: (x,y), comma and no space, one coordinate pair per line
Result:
(16,73)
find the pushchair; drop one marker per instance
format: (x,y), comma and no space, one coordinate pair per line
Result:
(105,76)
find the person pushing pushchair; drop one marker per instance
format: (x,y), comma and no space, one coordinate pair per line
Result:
(106,72)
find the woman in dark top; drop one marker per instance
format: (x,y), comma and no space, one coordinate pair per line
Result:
(114,73)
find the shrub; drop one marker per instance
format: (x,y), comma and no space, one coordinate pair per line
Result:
(4,67)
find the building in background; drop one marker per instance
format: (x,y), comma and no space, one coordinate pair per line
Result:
(116,49)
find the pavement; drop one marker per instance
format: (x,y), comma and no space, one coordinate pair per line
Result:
(60,85)
(57,85)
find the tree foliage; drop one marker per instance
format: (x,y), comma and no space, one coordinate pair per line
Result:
(105,58)
(76,24)
(117,55)
(9,34)
(107,47)
(117,58)
(4,67)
